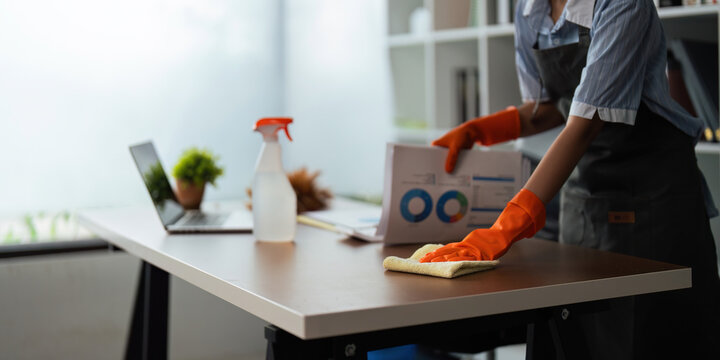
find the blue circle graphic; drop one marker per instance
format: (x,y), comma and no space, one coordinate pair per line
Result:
(405,205)
(447,196)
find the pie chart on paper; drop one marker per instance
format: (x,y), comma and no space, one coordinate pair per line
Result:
(449,197)
(416,205)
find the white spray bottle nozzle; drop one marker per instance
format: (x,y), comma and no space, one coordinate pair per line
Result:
(269,127)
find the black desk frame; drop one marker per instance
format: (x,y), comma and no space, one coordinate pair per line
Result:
(551,332)
(148,334)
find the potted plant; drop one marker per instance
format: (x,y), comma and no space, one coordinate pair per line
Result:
(195,168)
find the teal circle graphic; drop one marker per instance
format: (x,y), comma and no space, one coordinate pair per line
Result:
(447,196)
(405,205)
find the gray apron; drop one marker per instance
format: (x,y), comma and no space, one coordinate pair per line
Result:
(637,191)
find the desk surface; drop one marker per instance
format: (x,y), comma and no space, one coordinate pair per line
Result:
(324,284)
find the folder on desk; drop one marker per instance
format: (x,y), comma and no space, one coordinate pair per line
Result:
(358,220)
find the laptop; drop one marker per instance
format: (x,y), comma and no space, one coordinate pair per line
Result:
(174,218)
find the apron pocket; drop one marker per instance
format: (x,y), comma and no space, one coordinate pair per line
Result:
(572,221)
(610,221)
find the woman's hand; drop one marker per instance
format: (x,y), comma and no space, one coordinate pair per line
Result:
(488,130)
(523,216)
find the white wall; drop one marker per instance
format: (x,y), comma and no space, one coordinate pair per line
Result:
(80,80)
(337,88)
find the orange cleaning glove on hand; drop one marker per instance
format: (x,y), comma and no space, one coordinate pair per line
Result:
(523,216)
(488,130)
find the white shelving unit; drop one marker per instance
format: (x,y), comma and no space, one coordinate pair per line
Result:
(424,60)
(459,33)
(466,33)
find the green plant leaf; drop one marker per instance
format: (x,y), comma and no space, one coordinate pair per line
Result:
(198,166)
(30,224)
(53,226)
(10,237)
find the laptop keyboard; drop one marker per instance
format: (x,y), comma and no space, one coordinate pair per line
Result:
(196,219)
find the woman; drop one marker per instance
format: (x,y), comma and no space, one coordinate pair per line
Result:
(598,67)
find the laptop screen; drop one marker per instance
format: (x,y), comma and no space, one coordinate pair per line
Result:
(157,183)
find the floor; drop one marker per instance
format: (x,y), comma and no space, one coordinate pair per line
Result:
(412,352)
(513,352)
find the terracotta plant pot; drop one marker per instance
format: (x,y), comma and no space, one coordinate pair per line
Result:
(189,194)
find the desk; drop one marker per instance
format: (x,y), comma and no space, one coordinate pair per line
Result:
(325,286)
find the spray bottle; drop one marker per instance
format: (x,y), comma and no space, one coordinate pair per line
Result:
(274,203)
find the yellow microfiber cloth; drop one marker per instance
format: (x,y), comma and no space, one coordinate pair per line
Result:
(448,269)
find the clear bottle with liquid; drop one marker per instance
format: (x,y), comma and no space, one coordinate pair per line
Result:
(274,203)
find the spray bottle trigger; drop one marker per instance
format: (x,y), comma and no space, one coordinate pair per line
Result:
(273,125)
(286,132)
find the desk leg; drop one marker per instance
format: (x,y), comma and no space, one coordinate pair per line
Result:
(539,342)
(282,345)
(149,328)
(559,337)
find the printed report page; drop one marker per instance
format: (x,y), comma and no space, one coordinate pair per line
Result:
(428,205)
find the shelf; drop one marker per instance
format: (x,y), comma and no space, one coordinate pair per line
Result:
(500,30)
(413,136)
(456,35)
(536,146)
(451,35)
(406,40)
(707,148)
(684,11)
(418,136)
(539,145)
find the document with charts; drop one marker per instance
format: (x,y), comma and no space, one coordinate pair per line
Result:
(424,204)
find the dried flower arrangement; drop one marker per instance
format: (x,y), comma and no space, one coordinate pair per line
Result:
(309,195)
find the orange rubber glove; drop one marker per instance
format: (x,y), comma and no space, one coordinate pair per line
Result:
(488,130)
(523,216)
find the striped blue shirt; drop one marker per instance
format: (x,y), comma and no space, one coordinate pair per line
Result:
(625,62)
